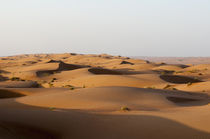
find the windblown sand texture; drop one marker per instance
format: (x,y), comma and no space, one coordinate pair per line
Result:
(75,96)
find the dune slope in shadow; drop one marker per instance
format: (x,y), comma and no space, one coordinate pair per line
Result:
(62,67)
(9,94)
(179,79)
(79,125)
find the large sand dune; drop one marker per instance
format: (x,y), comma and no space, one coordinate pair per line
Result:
(74,96)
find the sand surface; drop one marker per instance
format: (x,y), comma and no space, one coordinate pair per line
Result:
(74,96)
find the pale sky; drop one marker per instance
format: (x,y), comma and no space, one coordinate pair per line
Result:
(119,27)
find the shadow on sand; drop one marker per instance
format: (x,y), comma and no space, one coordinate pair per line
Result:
(33,123)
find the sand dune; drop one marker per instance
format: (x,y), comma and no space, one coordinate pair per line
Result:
(61,67)
(72,124)
(68,123)
(196,87)
(104,80)
(113,98)
(78,96)
(168,67)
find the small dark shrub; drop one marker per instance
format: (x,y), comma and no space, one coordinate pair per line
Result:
(16,79)
(124,108)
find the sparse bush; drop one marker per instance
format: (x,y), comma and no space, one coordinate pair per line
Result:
(163,73)
(50,85)
(16,79)
(189,84)
(53,79)
(178,72)
(124,108)
(39,85)
(174,89)
(193,71)
(70,87)
(40,82)
(67,86)
(52,108)
(167,86)
(83,86)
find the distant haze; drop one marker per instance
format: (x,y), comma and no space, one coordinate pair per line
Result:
(177,60)
(119,27)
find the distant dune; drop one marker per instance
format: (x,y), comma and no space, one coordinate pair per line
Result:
(177,60)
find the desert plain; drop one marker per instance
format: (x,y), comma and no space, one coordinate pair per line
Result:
(77,96)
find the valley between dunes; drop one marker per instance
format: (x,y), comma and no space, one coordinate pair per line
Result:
(76,96)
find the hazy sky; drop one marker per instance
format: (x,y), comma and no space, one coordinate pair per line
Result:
(119,27)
